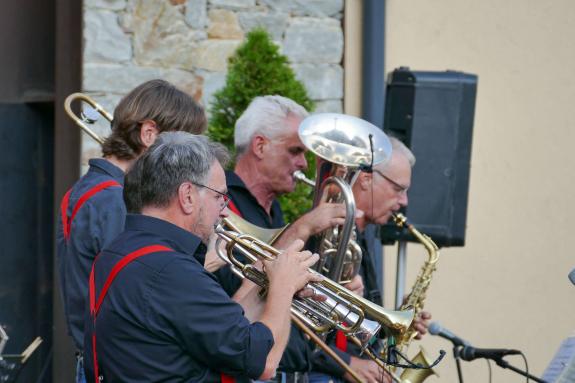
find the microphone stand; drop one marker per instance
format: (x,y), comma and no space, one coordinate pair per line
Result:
(502,363)
(456,350)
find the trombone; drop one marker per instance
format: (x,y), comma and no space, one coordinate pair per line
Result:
(88,116)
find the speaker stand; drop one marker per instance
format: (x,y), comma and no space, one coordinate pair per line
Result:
(400,272)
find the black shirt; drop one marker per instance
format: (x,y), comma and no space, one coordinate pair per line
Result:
(165,318)
(297,356)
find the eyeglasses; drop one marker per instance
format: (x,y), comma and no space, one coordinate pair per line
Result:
(225,197)
(399,188)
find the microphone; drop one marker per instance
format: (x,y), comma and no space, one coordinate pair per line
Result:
(470,353)
(436,329)
(572,276)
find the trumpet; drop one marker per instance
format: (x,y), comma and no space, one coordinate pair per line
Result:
(343,310)
(88,116)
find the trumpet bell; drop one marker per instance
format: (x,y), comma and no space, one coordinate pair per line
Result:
(344,140)
(240,225)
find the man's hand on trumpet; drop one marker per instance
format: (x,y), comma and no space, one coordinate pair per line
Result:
(290,270)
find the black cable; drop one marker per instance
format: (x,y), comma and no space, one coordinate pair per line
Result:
(489,369)
(526,365)
(369,168)
(393,361)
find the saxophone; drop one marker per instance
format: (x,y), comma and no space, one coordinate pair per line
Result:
(416,300)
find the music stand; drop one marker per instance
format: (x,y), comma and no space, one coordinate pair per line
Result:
(11,364)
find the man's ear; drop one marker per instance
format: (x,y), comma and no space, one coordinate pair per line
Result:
(258,146)
(148,133)
(186,197)
(364,180)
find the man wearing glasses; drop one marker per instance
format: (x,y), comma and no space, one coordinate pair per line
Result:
(378,194)
(155,313)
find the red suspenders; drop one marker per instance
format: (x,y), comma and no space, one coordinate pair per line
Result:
(67,222)
(95,304)
(232,206)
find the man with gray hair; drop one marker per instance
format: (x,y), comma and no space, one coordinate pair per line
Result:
(378,194)
(269,151)
(155,313)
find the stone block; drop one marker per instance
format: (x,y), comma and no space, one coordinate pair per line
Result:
(112,5)
(275,23)
(110,78)
(212,55)
(161,35)
(105,41)
(328,106)
(184,80)
(316,8)
(224,25)
(196,15)
(89,149)
(233,4)
(212,82)
(322,81)
(120,79)
(312,40)
(108,101)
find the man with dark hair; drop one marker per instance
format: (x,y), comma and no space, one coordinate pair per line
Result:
(93,211)
(155,313)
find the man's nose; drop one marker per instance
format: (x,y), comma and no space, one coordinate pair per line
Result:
(301,162)
(403,200)
(225,212)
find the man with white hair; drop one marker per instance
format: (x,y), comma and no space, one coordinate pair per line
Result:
(269,151)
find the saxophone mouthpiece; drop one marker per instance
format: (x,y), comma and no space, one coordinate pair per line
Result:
(399,219)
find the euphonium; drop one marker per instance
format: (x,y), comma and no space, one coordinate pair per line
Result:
(88,116)
(343,310)
(343,144)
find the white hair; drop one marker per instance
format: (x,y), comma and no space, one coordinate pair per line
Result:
(399,147)
(265,115)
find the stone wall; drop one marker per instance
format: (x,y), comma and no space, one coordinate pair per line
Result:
(188,42)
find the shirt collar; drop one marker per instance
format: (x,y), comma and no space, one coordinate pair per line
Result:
(181,240)
(232,179)
(104,166)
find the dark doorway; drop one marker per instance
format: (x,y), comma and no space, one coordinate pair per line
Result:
(27,75)
(26,174)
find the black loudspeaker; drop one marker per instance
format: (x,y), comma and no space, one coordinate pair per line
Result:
(432,113)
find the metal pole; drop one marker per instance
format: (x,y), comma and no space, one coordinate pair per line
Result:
(400,272)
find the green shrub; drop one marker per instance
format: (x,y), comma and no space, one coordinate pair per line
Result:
(258,69)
